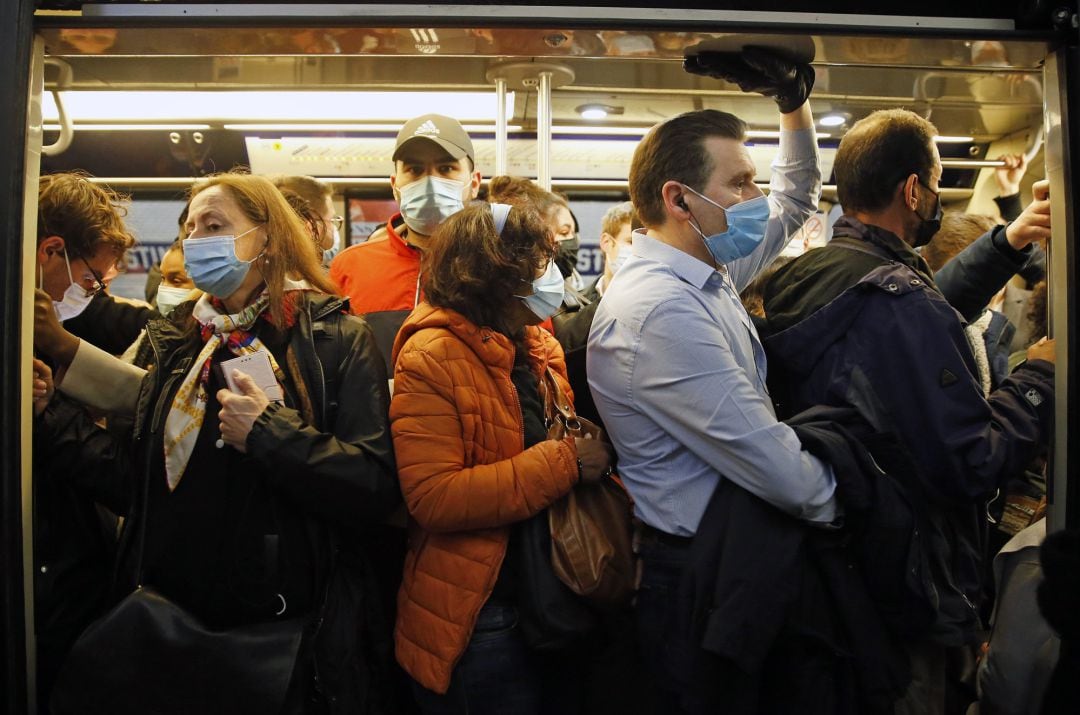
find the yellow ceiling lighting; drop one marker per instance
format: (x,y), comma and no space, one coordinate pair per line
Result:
(640,131)
(287,107)
(344,127)
(165,127)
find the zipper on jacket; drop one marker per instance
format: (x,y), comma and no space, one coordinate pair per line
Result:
(517,401)
(521,424)
(156,349)
(178,373)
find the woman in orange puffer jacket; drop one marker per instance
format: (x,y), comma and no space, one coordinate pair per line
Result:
(474,458)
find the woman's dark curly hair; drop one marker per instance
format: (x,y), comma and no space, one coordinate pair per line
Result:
(518,190)
(469,268)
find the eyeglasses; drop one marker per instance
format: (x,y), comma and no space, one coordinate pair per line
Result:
(99,281)
(337,221)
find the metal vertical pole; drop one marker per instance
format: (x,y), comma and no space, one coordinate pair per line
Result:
(543,132)
(1061,82)
(501,142)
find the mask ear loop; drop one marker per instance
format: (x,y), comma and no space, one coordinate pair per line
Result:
(694,223)
(71,276)
(262,254)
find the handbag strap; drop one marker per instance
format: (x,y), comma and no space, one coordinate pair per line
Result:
(556,404)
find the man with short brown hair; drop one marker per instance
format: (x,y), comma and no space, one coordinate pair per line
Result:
(861,323)
(674,364)
(81,240)
(434,176)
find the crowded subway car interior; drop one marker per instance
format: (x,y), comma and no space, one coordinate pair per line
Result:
(149,99)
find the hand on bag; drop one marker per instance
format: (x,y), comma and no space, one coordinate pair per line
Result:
(42,386)
(1042,350)
(240,410)
(758,69)
(50,338)
(595,457)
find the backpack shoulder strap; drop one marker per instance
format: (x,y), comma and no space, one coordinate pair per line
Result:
(328,339)
(854,244)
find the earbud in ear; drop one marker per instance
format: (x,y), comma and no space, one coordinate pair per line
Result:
(681,203)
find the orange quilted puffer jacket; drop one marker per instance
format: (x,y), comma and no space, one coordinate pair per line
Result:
(458,438)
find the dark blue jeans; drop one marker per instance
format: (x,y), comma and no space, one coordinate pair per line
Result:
(498,674)
(663,647)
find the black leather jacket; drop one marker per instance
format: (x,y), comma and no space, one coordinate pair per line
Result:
(339,480)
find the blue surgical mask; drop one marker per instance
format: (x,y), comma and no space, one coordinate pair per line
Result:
(746,229)
(427,202)
(547,295)
(213,266)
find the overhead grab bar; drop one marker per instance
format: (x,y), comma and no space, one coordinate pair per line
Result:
(67,132)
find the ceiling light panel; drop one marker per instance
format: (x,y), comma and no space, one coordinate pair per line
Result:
(118,106)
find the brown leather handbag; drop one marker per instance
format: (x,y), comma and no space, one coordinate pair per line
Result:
(591,527)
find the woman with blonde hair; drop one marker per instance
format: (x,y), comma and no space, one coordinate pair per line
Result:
(261,448)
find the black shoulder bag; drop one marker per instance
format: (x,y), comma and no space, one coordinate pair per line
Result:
(149,655)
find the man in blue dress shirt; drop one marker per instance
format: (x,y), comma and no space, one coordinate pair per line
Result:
(674,363)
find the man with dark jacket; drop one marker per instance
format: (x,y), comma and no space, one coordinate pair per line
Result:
(81,241)
(862,323)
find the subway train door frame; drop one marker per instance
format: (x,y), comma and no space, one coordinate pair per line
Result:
(1061,80)
(20,167)
(21,124)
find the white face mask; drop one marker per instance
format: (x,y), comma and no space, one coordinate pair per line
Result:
(623,251)
(329,253)
(168,297)
(75,299)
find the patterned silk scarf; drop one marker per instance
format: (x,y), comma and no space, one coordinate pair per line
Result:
(188,407)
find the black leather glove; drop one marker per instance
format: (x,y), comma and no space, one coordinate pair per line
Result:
(758,69)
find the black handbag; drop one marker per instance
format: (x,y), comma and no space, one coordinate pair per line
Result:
(550,615)
(148,655)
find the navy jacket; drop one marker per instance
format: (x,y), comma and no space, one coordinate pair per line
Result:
(889,344)
(974,275)
(785,617)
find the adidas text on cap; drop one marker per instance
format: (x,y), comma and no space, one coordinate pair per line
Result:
(447,132)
